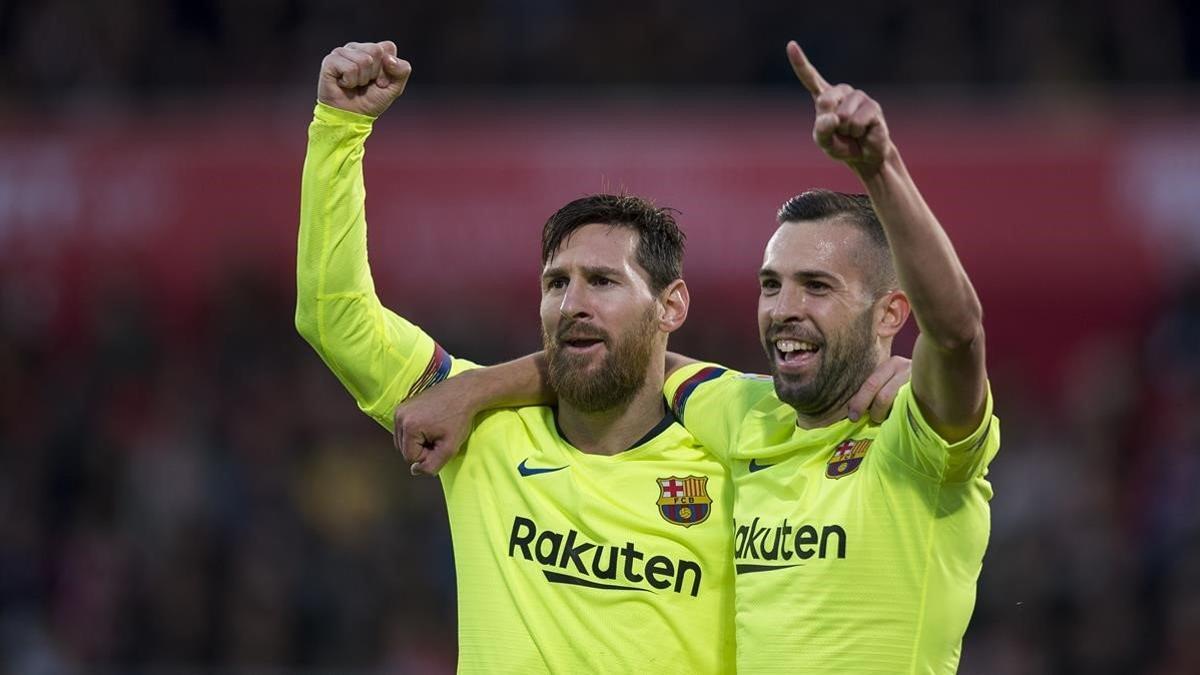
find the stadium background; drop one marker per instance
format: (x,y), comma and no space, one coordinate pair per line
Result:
(183,486)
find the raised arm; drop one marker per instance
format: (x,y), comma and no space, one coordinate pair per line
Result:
(379,357)
(949,378)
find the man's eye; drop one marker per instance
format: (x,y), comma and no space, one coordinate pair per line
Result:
(769,284)
(602,281)
(556,283)
(817,286)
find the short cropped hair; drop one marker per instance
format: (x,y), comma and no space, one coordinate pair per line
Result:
(855,209)
(660,241)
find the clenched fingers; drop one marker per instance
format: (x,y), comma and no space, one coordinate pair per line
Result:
(856,113)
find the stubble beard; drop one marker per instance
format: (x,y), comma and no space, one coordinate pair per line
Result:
(846,362)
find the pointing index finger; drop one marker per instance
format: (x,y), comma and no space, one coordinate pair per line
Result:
(805,72)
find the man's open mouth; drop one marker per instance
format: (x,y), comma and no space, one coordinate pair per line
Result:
(793,354)
(581,344)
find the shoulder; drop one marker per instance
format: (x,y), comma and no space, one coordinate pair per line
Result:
(493,424)
(715,382)
(502,436)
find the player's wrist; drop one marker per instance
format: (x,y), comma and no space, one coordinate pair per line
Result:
(888,166)
(332,113)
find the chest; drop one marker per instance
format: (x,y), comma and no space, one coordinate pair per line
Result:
(818,497)
(668,492)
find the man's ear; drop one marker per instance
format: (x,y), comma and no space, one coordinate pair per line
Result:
(673,301)
(891,311)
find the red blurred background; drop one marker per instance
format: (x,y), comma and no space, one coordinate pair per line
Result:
(1057,218)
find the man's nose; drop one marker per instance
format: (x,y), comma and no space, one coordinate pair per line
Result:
(791,304)
(575,301)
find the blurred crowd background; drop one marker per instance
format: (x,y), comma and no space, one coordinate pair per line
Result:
(185,488)
(59,51)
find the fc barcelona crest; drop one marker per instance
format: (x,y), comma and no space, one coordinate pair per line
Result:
(846,457)
(684,501)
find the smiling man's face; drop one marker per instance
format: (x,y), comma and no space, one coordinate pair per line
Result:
(816,314)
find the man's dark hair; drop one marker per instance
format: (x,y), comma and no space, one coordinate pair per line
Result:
(660,242)
(855,209)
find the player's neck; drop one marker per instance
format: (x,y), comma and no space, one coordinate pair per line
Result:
(823,419)
(609,432)
(840,409)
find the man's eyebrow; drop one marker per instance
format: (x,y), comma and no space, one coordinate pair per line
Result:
(812,274)
(603,270)
(798,274)
(590,270)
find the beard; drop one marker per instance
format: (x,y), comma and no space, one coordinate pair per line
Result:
(618,377)
(846,360)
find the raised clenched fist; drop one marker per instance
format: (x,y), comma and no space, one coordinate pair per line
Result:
(362,77)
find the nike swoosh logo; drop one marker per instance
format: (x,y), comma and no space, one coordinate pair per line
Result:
(531,471)
(755,466)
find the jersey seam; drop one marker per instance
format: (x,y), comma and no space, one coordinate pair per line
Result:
(944,452)
(970,444)
(896,457)
(324,209)
(974,457)
(322,280)
(343,295)
(929,540)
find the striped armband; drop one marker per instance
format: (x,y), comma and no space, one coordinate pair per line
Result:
(437,370)
(679,401)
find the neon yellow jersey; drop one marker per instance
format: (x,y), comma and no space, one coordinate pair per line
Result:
(577,563)
(857,546)
(566,562)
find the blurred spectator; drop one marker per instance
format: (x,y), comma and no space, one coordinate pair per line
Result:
(63,51)
(219,502)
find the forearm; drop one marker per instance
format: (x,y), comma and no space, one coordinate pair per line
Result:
(331,255)
(519,382)
(949,374)
(943,299)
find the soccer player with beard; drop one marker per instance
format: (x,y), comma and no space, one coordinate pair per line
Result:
(857,544)
(594,537)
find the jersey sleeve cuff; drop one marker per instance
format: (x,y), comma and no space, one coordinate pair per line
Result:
(331,115)
(969,444)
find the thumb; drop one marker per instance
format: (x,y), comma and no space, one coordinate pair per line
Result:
(413,445)
(432,459)
(396,68)
(393,76)
(439,455)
